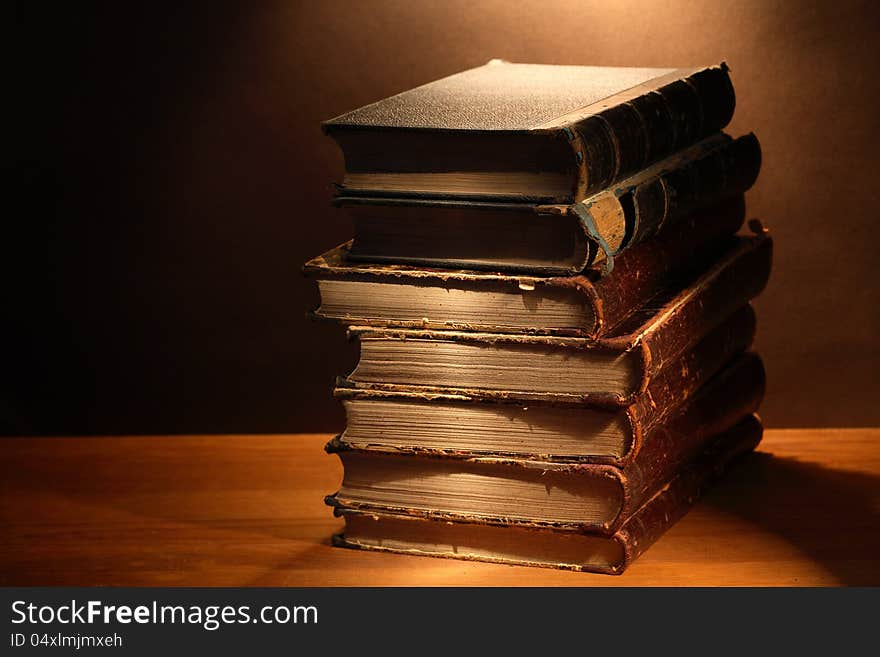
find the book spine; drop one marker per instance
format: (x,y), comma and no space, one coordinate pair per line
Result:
(640,207)
(737,392)
(671,503)
(677,384)
(727,171)
(648,268)
(731,283)
(625,137)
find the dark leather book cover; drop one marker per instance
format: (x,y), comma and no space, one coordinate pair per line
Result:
(654,336)
(553,239)
(464,538)
(640,273)
(587,126)
(694,376)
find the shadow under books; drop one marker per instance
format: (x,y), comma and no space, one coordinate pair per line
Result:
(832,516)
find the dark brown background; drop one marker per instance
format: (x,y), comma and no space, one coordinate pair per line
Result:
(173,178)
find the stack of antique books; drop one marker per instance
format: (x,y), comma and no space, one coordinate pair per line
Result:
(552,303)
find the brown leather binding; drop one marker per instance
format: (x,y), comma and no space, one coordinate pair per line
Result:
(639,532)
(659,335)
(666,395)
(737,392)
(673,501)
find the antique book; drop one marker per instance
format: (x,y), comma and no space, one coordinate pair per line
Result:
(567,548)
(548,239)
(533,490)
(611,371)
(528,131)
(456,423)
(587,305)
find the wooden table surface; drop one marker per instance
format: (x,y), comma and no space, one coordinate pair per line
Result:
(249,511)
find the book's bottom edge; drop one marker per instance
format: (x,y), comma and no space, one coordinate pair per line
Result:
(340,540)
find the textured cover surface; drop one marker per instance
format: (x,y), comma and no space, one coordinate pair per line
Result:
(586,126)
(500,96)
(647,524)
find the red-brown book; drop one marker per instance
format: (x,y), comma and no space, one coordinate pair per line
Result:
(459,424)
(610,371)
(476,540)
(534,490)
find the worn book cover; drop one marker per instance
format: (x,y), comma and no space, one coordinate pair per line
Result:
(553,239)
(610,371)
(457,423)
(587,305)
(528,131)
(570,548)
(533,489)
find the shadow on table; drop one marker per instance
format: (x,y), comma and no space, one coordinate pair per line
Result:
(832,516)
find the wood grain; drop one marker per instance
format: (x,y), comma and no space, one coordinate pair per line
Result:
(249,511)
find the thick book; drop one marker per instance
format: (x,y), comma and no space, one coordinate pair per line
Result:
(533,490)
(609,371)
(528,131)
(547,239)
(477,540)
(471,424)
(587,305)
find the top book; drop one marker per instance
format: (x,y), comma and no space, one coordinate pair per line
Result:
(528,131)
